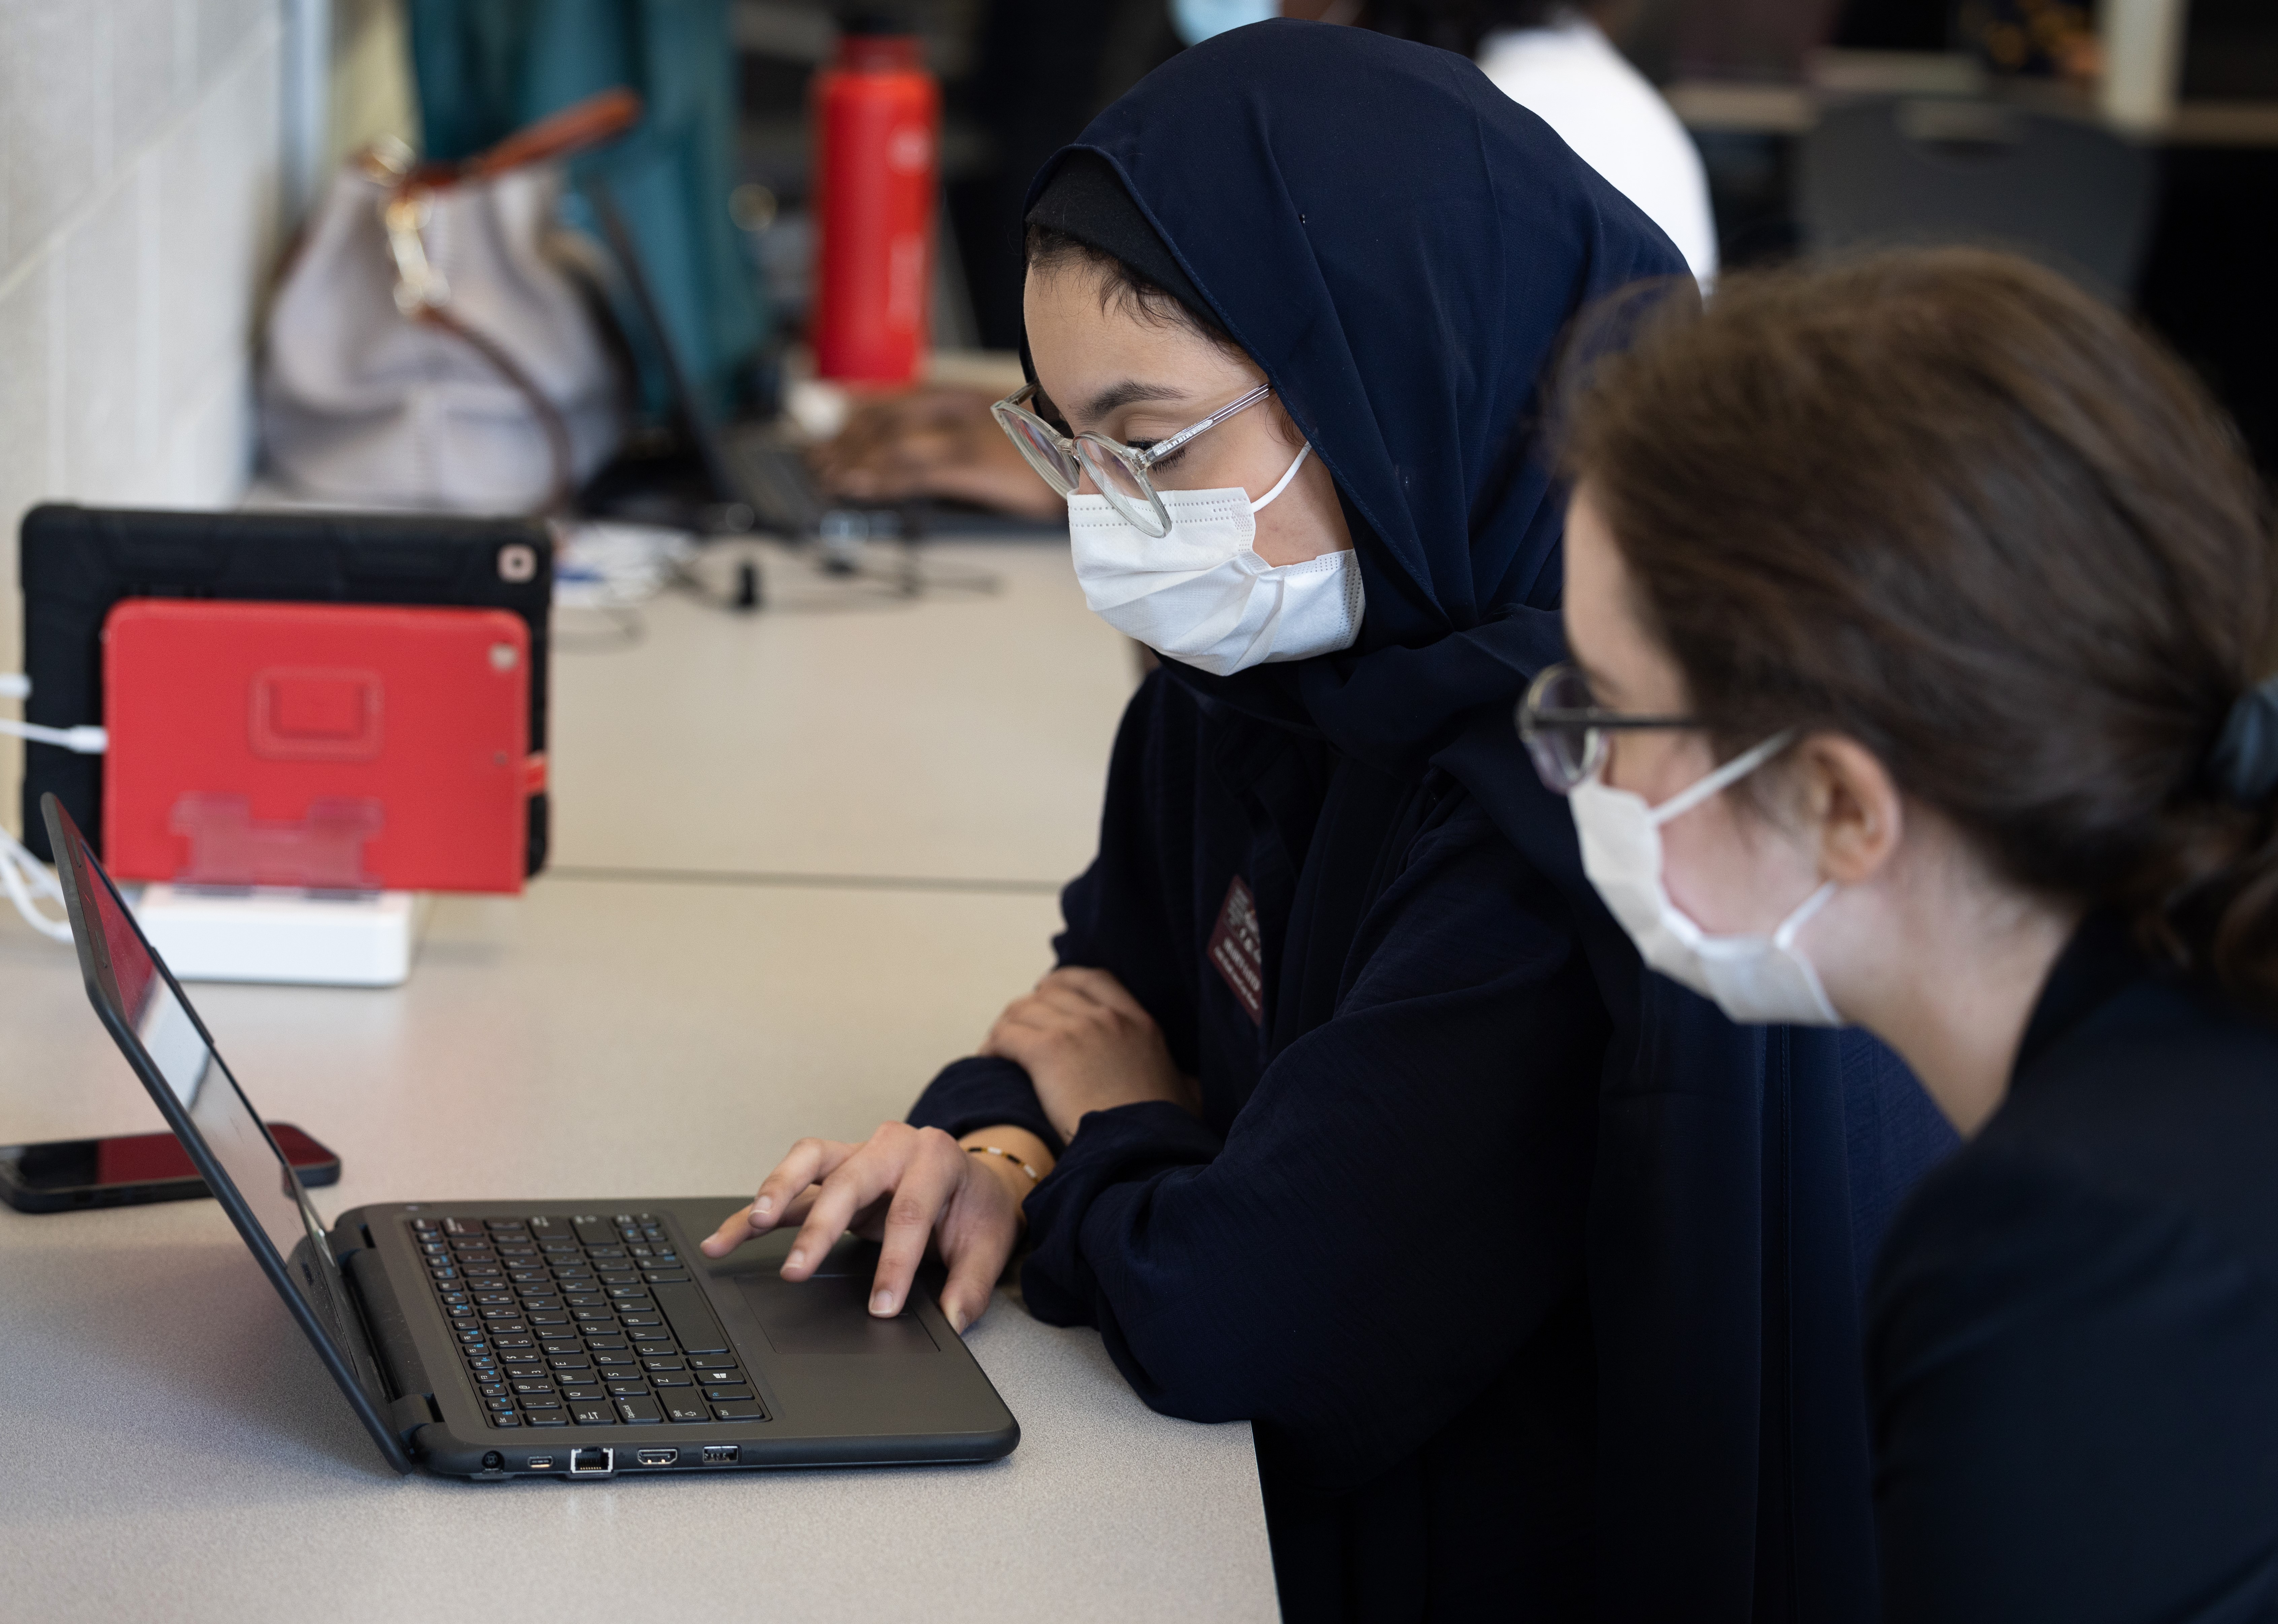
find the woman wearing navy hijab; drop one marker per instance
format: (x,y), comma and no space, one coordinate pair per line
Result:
(1349,1110)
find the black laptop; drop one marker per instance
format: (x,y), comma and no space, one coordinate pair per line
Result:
(495,1340)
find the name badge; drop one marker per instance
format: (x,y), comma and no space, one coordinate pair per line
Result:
(1238,951)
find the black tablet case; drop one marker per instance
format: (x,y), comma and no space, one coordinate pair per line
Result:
(75,563)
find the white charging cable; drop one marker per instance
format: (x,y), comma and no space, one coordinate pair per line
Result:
(85,740)
(25,878)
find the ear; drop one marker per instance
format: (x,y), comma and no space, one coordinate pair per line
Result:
(1849,798)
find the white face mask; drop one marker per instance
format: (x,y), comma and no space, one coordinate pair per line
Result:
(1201,594)
(1752,978)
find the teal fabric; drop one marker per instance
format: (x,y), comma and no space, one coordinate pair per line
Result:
(485,68)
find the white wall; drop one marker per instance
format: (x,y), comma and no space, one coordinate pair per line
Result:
(140,145)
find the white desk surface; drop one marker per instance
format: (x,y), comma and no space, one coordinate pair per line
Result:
(845,731)
(174,1449)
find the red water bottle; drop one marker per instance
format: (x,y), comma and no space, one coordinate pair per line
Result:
(877,137)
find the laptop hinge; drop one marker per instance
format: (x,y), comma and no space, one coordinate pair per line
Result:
(390,1338)
(406,1417)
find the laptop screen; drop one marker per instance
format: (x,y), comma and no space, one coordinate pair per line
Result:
(153,1018)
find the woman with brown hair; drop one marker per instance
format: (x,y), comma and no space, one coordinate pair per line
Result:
(1966,591)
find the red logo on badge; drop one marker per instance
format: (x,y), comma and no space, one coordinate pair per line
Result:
(1239,951)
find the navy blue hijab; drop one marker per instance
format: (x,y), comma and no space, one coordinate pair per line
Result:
(1406,292)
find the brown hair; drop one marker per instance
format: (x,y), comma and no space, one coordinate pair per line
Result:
(1952,506)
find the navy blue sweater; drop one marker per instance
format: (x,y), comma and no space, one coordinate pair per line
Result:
(2074,1338)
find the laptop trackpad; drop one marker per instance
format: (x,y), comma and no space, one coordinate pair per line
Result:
(829,1314)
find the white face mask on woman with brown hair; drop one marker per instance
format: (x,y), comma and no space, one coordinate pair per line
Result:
(1713,895)
(1762,977)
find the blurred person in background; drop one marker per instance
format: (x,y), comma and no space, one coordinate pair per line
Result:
(936,441)
(1349,1110)
(1554,58)
(1993,773)
(1043,70)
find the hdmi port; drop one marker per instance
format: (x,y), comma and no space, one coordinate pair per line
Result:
(656,1457)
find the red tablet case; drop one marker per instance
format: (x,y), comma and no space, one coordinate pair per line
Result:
(274,743)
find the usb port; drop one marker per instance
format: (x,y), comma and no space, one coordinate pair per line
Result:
(539,1463)
(656,1457)
(722,1454)
(593,1462)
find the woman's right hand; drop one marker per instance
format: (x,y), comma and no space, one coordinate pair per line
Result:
(903,1186)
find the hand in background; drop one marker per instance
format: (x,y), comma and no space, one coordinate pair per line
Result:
(903,1187)
(935,440)
(1089,1046)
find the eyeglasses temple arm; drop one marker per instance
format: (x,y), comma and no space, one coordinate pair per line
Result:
(1163,448)
(1611,720)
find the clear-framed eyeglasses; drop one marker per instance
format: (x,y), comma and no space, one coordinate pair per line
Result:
(1119,471)
(1565,728)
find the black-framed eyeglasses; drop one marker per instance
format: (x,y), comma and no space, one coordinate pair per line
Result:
(1565,730)
(1119,471)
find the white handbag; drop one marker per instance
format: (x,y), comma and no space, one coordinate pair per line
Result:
(426,349)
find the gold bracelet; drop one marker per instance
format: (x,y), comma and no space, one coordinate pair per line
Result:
(992,1151)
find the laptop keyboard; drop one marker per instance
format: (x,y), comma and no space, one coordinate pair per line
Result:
(583,1320)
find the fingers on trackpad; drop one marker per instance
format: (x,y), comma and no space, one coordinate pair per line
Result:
(831,1313)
